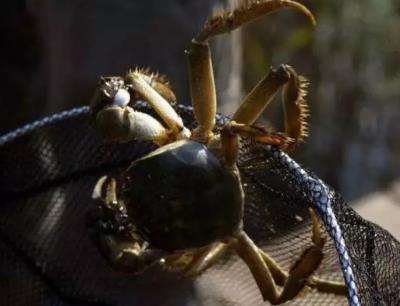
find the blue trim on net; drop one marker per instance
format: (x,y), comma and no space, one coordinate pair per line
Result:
(43,122)
(322,197)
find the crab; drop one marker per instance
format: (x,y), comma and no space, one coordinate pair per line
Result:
(181,206)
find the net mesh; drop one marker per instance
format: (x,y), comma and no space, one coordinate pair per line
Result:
(47,257)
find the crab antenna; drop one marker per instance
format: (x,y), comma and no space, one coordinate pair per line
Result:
(248,11)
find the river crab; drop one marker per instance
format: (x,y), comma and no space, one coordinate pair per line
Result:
(181,206)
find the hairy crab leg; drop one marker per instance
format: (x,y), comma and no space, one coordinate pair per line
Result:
(161,106)
(295,107)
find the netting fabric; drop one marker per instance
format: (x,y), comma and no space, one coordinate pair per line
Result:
(47,257)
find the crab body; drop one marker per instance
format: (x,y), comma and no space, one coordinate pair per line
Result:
(181,206)
(181,196)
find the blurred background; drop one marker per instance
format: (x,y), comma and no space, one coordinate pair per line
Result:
(55,50)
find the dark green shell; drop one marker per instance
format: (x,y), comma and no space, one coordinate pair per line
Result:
(180,196)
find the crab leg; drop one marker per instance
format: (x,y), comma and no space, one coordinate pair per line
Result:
(268,274)
(311,258)
(201,74)
(306,265)
(202,89)
(280,276)
(295,108)
(138,83)
(230,139)
(248,11)
(248,251)
(110,185)
(125,254)
(327,286)
(261,95)
(159,83)
(204,258)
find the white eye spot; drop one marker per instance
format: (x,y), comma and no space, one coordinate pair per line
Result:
(122,97)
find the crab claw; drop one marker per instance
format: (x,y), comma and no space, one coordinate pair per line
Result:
(112,122)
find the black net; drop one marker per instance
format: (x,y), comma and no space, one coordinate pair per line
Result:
(47,257)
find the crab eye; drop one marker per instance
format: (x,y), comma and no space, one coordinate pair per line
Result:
(122,97)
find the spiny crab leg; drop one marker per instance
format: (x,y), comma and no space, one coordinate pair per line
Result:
(136,81)
(295,107)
